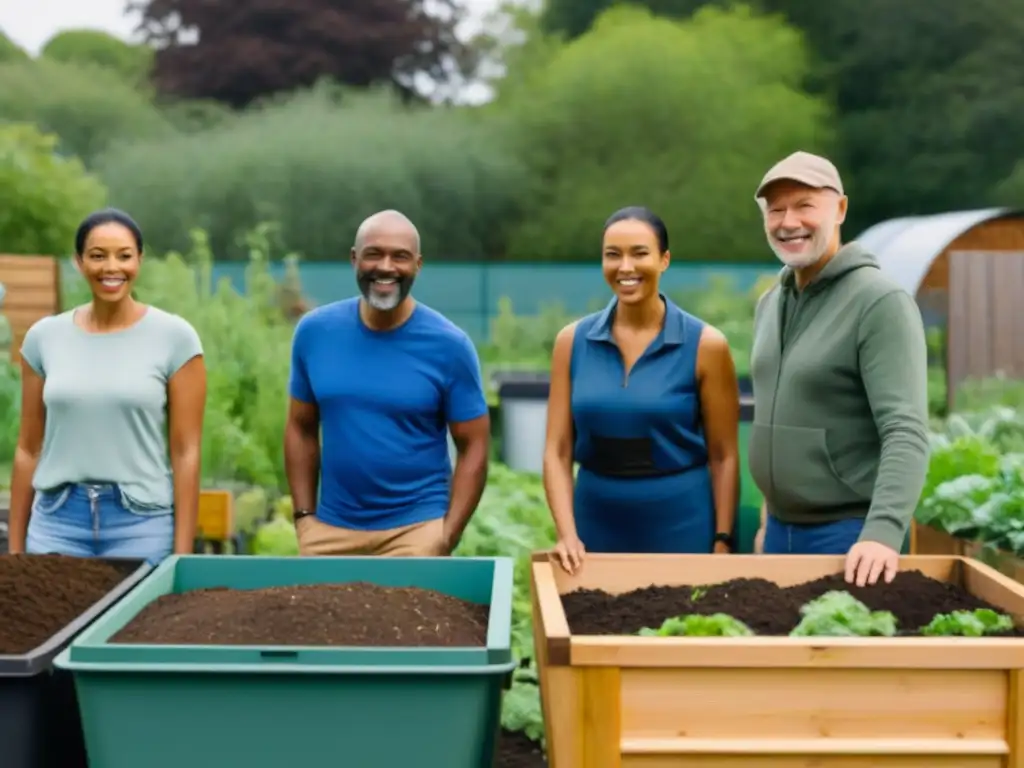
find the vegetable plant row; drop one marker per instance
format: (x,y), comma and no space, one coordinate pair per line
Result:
(975,484)
(912,605)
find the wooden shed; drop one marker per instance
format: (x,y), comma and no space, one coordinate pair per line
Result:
(966,270)
(31,288)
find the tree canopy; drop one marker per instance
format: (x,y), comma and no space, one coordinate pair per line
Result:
(94,48)
(928,96)
(684,117)
(236,52)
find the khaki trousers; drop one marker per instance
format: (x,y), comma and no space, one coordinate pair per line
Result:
(418,540)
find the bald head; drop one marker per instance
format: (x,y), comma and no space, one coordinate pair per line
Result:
(389,225)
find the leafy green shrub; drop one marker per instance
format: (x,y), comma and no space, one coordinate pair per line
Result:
(91,47)
(88,107)
(43,196)
(319,167)
(684,117)
(975,483)
(11,51)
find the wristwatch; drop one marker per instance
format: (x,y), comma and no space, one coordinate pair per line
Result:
(298,514)
(725,538)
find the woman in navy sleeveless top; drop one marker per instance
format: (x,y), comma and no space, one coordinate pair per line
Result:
(644,398)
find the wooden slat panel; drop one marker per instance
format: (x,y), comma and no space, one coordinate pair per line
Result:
(979,334)
(985,325)
(21,279)
(1007,288)
(957,323)
(32,285)
(818,703)
(14,261)
(811,761)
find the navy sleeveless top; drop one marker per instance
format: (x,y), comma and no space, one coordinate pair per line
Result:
(646,424)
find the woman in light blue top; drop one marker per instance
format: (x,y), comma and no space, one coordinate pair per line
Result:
(113,393)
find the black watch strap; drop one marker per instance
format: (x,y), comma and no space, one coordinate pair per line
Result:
(298,514)
(724,537)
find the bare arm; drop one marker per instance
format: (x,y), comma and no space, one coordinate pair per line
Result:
(473,442)
(302,453)
(558,444)
(26,457)
(720,409)
(186,400)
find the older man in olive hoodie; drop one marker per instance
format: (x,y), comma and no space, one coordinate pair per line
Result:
(839,444)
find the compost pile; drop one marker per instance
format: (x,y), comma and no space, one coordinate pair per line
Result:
(765,607)
(516,750)
(42,594)
(354,614)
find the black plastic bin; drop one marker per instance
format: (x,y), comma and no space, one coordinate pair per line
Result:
(39,720)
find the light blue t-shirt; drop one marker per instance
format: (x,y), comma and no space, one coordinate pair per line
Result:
(106,401)
(385,400)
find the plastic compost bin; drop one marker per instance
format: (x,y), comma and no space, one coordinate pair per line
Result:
(39,724)
(203,706)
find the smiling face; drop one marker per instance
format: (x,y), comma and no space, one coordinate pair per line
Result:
(802,223)
(386,261)
(110,261)
(632,260)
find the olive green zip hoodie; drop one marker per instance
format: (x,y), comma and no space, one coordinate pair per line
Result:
(840,377)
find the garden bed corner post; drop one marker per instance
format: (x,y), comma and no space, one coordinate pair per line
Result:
(1015,724)
(577,703)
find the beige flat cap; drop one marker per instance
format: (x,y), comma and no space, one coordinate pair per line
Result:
(805,168)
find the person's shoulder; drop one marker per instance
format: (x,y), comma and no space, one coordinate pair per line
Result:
(583,325)
(52,329)
(441,327)
(169,322)
(872,284)
(51,324)
(329,315)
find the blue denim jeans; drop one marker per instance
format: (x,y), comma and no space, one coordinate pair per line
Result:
(98,520)
(820,539)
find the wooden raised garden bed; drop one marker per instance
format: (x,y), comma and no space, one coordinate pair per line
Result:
(1004,562)
(925,540)
(614,699)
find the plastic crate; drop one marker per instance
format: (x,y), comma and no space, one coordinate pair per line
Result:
(39,724)
(263,707)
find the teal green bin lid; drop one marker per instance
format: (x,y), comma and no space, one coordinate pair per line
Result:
(487,581)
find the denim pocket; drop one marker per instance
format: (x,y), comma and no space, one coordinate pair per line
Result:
(48,502)
(143,508)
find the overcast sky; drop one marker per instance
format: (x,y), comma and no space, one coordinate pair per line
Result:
(30,23)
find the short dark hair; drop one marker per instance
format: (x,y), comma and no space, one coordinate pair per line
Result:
(647,216)
(106,216)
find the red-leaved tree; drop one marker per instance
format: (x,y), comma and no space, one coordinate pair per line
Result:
(236,51)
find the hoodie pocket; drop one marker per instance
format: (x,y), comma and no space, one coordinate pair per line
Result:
(805,478)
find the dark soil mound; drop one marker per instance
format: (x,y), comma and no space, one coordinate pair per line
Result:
(762,605)
(359,614)
(42,594)
(516,750)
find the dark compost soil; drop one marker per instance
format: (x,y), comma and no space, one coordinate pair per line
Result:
(42,594)
(516,750)
(355,614)
(763,606)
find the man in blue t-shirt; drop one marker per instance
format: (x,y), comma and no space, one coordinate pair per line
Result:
(376,383)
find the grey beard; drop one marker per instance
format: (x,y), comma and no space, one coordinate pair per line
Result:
(384,302)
